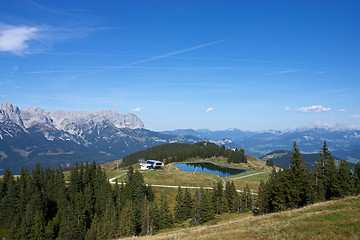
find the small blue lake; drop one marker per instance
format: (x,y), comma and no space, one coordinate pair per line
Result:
(209,168)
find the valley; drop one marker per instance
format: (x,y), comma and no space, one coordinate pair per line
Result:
(62,138)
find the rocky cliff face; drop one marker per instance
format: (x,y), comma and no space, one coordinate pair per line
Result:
(54,138)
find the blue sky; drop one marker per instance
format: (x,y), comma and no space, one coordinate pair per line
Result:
(251,65)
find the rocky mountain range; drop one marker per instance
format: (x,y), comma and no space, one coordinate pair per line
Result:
(62,138)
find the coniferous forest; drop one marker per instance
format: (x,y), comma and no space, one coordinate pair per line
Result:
(296,187)
(179,152)
(42,205)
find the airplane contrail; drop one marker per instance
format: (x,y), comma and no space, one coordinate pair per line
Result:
(165,55)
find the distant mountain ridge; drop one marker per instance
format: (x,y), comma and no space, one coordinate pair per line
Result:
(281,159)
(54,138)
(342,140)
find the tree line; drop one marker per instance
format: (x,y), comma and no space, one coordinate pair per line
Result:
(43,205)
(296,187)
(179,152)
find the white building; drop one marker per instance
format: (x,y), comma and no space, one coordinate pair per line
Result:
(151,164)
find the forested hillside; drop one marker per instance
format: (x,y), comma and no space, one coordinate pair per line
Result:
(42,205)
(280,158)
(296,187)
(178,152)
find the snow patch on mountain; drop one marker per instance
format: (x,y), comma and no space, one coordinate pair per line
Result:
(333,127)
(73,122)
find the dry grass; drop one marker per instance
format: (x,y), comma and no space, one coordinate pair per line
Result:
(111,165)
(329,220)
(174,177)
(252,181)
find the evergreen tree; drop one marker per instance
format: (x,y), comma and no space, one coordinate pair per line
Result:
(218,199)
(232,197)
(277,189)
(165,217)
(344,179)
(188,205)
(312,193)
(298,178)
(246,199)
(327,176)
(127,221)
(261,200)
(148,219)
(356,178)
(203,211)
(179,207)
(270,162)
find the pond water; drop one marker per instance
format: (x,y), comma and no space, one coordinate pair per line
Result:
(209,168)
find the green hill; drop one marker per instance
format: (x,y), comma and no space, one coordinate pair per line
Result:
(338,219)
(281,159)
(178,152)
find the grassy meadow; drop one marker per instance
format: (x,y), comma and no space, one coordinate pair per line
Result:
(173,176)
(337,219)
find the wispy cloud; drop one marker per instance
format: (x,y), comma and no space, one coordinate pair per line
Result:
(314,108)
(53,71)
(357,116)
(283,72)
(69,12)
(138,109)
(209,109)
(341,110)
(287,109)
(165,55)
(16,39)
(23,39)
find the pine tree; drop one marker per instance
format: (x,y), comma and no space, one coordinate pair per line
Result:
(232,197)
(148,219)
(327,182)
(179,207)
(188,205)
(246,199)
(344,178)
(203,211)
(127,220)
(312,187)
(218,199)
(356,178)
(277,189)
(320,184)
(165,217)
(261,200)
(298,180)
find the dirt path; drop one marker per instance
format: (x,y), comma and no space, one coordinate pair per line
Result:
(247,175)
(112,181)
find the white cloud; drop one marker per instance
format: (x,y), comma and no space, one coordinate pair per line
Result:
(314,108)
(15,38)
(138,109)
(209,109)
(342,110)
(357,116)
(287,109)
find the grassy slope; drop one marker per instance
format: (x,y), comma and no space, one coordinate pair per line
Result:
(174,176)
(338,219)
